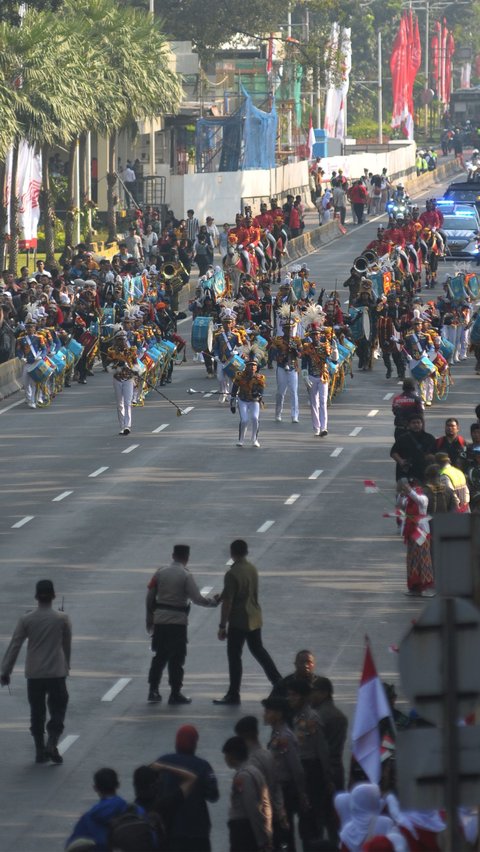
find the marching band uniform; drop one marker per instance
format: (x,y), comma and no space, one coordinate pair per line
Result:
(387,337)
(248,387)
(124,358)
(418,344)
(30,347)
(285,351)
(315,352)
(225,342)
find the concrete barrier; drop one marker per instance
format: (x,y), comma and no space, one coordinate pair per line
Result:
(10,377)
(310,241)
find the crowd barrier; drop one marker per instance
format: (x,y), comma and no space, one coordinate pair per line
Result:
(10,377)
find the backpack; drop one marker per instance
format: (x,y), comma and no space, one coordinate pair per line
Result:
(132,831)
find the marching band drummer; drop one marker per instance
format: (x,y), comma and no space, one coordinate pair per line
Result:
(317,347)
(248,386)
(225,343)
(285,350)
(418,344)
(30,347)
(124,361)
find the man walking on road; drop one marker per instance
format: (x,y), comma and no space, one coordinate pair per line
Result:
(49,635)
(242,615)
(168,604)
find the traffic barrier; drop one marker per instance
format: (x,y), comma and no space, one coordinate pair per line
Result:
(10,377)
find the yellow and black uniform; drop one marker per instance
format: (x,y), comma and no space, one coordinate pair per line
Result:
(248,387)
(124,362)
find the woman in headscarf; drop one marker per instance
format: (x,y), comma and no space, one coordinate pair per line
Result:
(365,821)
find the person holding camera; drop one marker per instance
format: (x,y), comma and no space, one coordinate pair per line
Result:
(170,592)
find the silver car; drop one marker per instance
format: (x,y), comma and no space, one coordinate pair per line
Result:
(462,229)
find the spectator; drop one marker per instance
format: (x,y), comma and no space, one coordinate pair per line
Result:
(223,240)
(340,202)
(212,231)
(294,220)
(451,442)
(7,336)
(411,450)
(192,226)
(134,244)
(149,244)
(95,823)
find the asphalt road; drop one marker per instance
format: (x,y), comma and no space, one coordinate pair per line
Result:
(104,512)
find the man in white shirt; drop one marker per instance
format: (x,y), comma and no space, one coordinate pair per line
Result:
(212,230)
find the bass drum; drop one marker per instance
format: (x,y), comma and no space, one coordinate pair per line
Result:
(202,334)
(360,326)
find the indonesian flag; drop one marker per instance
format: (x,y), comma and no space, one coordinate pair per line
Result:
(310,138)
(371,486)
(270,54)
(372,706)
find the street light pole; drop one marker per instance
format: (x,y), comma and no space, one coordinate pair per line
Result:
(427,70)
(152,126)
(380,91)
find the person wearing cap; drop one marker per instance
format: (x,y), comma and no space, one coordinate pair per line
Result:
(248,388)
(189,829)
(48,633)
(123,360)
(170,592)
(250,811)
(288,768)
(317,348)
(226,341)
(30,348)
(388,340)
(313,750)
(404,404)
(286,350)
(417,345)
(241,621)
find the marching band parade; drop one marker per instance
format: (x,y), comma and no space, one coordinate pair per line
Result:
(258,325)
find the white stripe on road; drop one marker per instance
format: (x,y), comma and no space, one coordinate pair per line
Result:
(22,523)
(373,412)
(189,409)
(61,496)
(336,452)
(159,428)
(315,474)
(292,499)
(207,395)
(206,591)
(67,742)
(98,471)
(355,432)
(131,448)
(116,688)
(266,526)
(388,396)
(13,405)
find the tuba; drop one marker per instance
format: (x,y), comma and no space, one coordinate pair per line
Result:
(360,265)
(170,269)
(371,257)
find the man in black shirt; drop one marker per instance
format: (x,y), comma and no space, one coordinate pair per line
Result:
(451,442)
(411,450)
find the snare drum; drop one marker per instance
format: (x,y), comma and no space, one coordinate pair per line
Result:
(69,356)
(440,362)
(140,368)
(59,360)
(202,334)
(40,371)
(89,340)
(234,365)
(75,348)
(447,349)
(263,345)
(422,369)
(168,346)
(148,361)
(348,344)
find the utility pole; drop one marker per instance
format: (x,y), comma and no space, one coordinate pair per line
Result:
(380,91)
(289,114)
(152,120)
(427,69)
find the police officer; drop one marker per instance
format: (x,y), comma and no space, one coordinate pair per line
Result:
(250,813)
(168,603)
(47,664)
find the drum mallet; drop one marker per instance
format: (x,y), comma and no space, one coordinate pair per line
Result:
(180,411)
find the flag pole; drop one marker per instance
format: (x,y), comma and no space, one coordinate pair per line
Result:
(380,91)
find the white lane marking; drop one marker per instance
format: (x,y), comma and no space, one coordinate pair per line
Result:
(207,395)
(98,471)
(179,322)
(159,428)
(189,409)
(388,396)
(67,742)
(22,523)
(116,688)
(206,591)
(266,526)
(373,412)
(336,452)
(292,499)
(355,432)
(131,448)
(13,405)
(61,496)
(315,474)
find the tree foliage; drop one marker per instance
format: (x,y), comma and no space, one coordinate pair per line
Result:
(10,9)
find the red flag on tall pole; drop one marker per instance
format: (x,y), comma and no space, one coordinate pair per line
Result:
(270,54)
(448,65)
(398,71)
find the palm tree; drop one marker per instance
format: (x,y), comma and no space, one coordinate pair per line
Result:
(137,79)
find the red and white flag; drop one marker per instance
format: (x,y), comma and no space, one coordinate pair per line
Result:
(371,486)
(372,706)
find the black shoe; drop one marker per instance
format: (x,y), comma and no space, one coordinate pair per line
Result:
(52,752)
(82,381)
(126,431)
(154,696)
(323,433)
(389,374)
(179,698)
(40,753)
(68,385)
(90,373)
(232,700)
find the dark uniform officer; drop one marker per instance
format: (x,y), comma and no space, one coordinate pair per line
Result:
(168,603)
(335,725)
(250,812)
(47,664)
